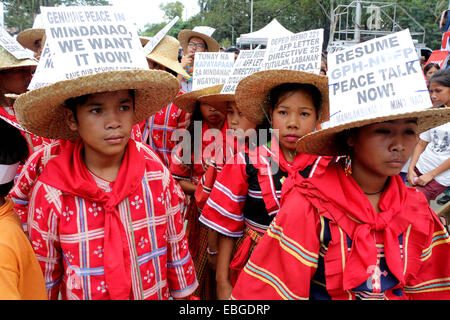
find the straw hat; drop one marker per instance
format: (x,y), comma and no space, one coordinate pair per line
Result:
(218,101)
(41,111)
(323,142)
(185,35)
(28,38)
(166,54)
(252,92)
(187,101)
(8,61)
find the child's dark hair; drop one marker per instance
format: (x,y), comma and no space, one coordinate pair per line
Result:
(196,116)
(442,77)
(72,103)
(429,66)
(341,141)
(13,149)
(290,88)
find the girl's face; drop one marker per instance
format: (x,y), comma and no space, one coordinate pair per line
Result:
(440,94)
(104,123)
(212,116)
(382,149)
(236,120)
(430,72)
(294,116)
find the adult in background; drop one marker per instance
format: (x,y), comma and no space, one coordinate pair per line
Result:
(192,41)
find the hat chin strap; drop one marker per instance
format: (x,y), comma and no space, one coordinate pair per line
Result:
(8,172)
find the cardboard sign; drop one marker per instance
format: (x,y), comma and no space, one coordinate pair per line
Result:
(301,51)
(12,46)
(88,40)
(207,31)
(153,42)
(211,68)
(247,63)
(45,74)
(379,77)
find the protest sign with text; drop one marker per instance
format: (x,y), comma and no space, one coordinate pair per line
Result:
(301,51)
(247,63)
(44,74)
(12,46)
(153,42)
(378,77)
(211,68)
(88,40)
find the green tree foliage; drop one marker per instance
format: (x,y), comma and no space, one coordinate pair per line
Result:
(20,14)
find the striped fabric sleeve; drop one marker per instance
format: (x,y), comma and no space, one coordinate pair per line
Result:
(28,177)
(283,263)
(181,277)
(43,220)
(433,279)
(223,209)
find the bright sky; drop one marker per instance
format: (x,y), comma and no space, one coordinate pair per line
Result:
(147,11)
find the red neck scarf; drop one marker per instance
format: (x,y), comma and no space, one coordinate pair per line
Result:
(259,159)
(356,217)
(68,173)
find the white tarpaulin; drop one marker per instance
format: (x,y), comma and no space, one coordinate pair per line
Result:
(272,30)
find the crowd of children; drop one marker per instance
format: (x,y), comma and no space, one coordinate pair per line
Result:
(128,184)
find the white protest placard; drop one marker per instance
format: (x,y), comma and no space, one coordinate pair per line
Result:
(153,42)
(301,51)
(88,40)
(247,63)
(207,31)
(376,78)
(12,46)
(45,74)
(211,68)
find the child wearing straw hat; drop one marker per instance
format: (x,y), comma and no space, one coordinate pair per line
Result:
(356,231)
(20,274)
(15,76)
(158,129)
(108,188)
(237,136)
(246,195)
(33,38)
(191,159)
(193,41)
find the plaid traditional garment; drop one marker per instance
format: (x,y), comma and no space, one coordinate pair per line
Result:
(157,130)
(68,235)
(338,247)
(31,170)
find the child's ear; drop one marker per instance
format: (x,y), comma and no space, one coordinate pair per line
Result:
(70,119)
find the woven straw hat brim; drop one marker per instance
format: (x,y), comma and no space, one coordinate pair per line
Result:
(187,101)
(218,101)
(28,37)
(41,111)
(185,35)
(252,92)
(168,63)
(323,142)
(8,61)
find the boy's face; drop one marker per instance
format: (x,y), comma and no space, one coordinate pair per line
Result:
(104,122)
(15,80)
(382,149)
